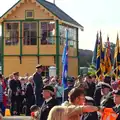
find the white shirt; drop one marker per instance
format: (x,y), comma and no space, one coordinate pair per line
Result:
(47,100)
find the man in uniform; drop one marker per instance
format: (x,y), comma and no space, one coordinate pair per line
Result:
(37,78)
(49,103)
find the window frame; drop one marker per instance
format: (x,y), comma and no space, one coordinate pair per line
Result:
(29,11)
(48,37)
(30,30)
(63,38)
(10,31)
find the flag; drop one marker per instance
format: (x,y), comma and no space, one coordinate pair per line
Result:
(102,62)
(116,58)
(108,61)
(95,53)
(98,70)
(65,62)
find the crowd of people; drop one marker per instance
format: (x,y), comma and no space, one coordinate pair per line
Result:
(85,98)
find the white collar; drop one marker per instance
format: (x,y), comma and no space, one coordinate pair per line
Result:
(47,100)
(118,105)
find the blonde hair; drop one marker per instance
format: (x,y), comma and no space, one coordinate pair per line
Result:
(57,113)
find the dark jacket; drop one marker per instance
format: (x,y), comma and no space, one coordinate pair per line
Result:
(15,85)
(117,110)
(38,82)
(90,116)
(46,107)
(108,101)
(29,94)
(97,95)
(91,89)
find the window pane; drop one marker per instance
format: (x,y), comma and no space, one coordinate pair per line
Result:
(8,26)
(12,34)
(47,33)
(26,26)
(15,26)
(29,14)
(30,33)
(33,26)
(33,38)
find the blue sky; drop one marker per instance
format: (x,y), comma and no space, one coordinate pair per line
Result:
(94,15)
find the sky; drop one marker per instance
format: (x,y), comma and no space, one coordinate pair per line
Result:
(94,15)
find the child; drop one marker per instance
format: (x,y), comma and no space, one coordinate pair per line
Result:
(35,112)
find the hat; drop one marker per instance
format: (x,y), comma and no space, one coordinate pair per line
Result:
(89,99)
(16,73)
(105,85)
(117,92)
(70,79)
(45,80)
(39,66)
(49,88)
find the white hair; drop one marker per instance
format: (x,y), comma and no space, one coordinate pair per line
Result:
(30,78)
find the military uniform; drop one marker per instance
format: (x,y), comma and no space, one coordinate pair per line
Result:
(38,82)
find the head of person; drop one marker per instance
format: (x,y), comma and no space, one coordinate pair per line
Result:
(46,81)
(22,80)
(48,91)
(59,81)
(16,75)
(94,78)
(30,79)
(58,113)
(11,76)
(88,78)
(70,82)
(107,79)
(34,108)
(116,95)
(105,88)
(39,68)
(77,96)
(53,81)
